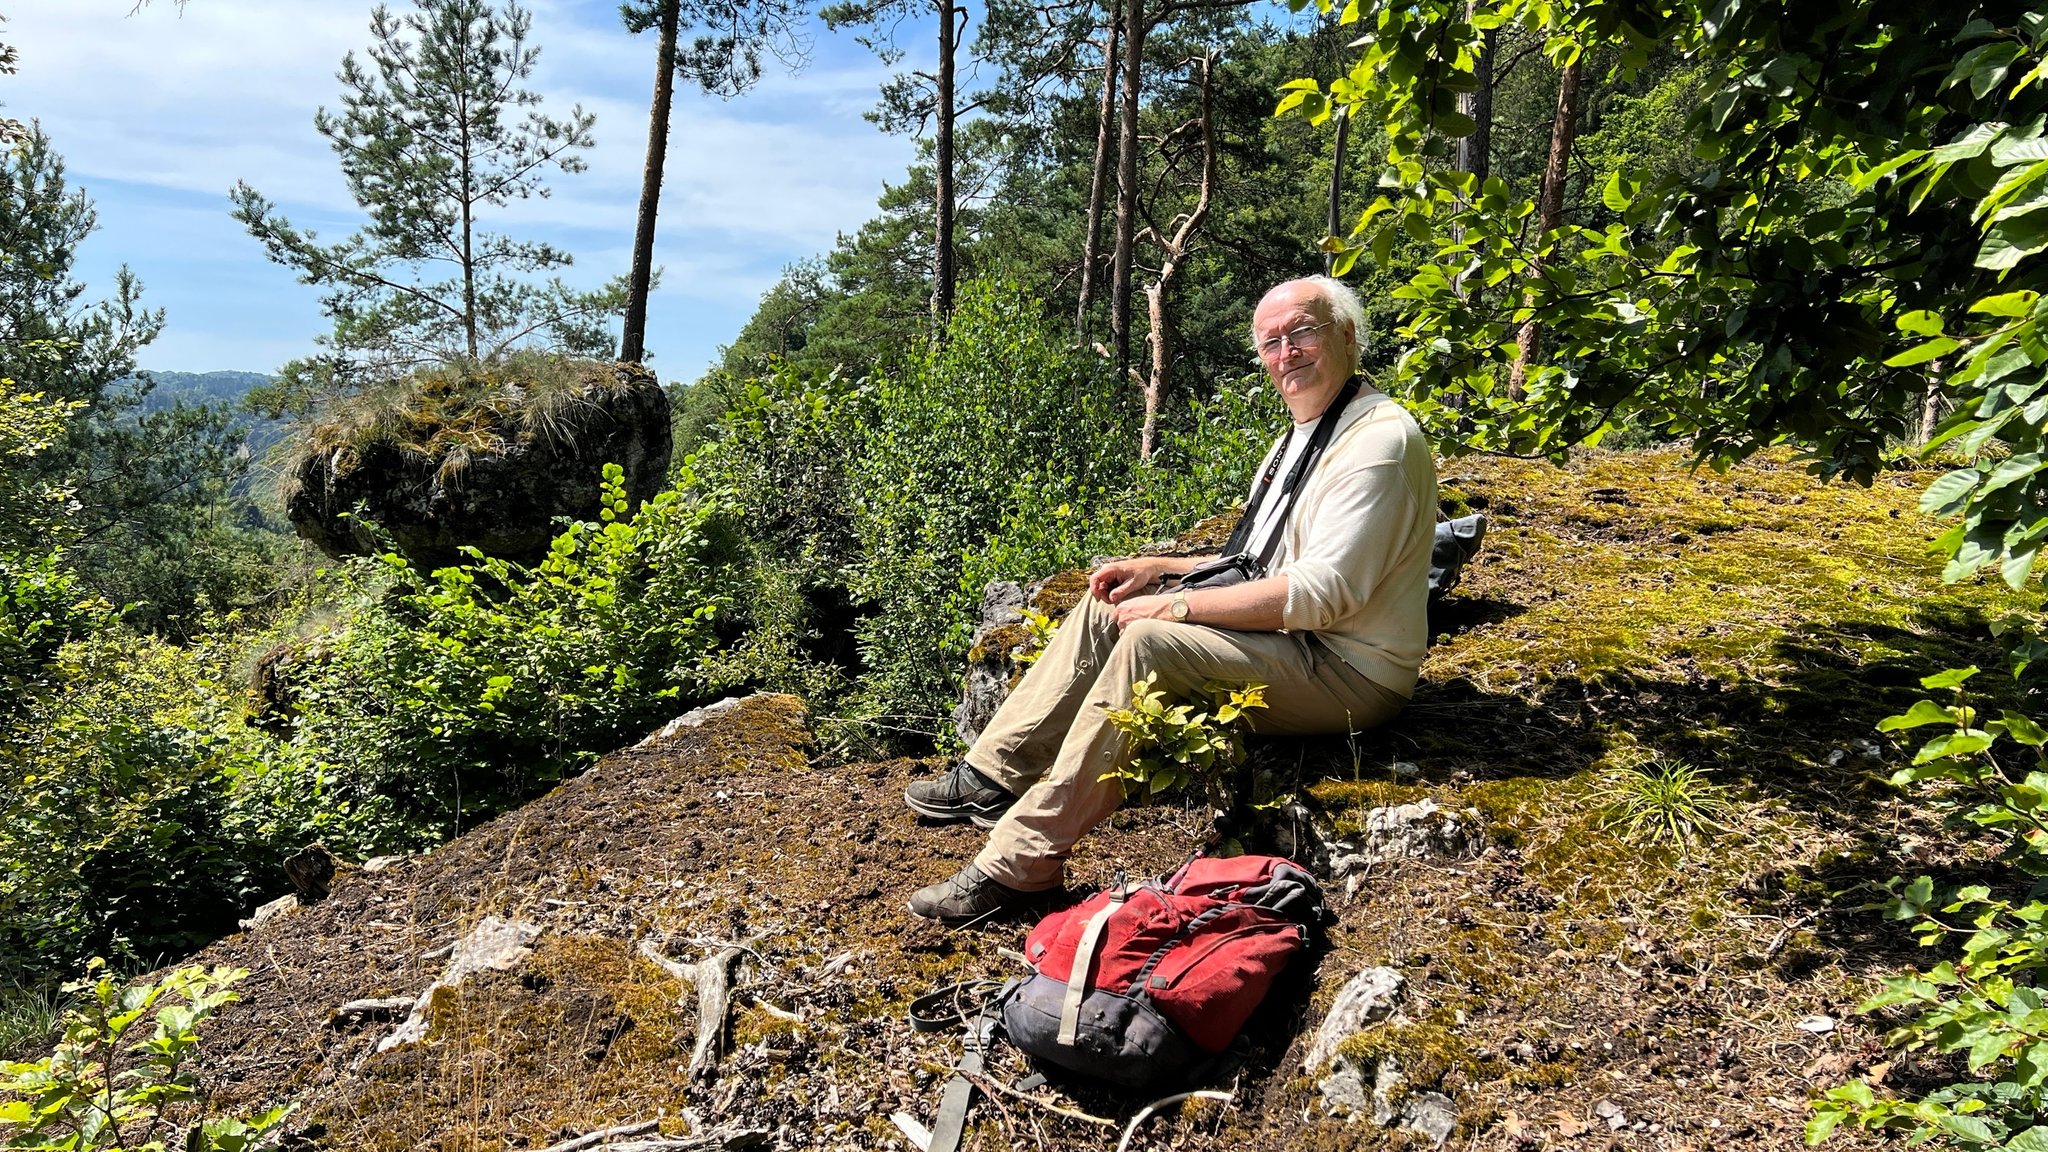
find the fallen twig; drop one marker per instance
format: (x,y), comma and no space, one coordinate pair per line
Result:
(713,1141)
(1777,943)
(780,1013)
(919,1136)
(1146,1112)
(601,1135)
(377,1009)
(995,1087)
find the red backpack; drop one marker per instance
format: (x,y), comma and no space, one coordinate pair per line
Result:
(1144,982)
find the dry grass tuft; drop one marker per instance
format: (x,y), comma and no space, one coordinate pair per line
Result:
(449,415)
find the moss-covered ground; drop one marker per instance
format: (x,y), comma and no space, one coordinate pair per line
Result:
(1755,624)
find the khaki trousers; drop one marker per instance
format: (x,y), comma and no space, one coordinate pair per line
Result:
(1051,741)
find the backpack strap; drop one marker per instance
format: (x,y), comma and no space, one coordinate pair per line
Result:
(951,1122)
(1084,956)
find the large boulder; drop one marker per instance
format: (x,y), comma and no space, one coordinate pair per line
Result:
(485,459)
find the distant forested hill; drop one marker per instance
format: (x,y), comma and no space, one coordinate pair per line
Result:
(220,389)
(197,388)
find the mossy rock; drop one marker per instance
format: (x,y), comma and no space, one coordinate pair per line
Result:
(488,457)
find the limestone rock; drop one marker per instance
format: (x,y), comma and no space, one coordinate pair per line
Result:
(494,945)
(1409,830)
(694,718)
(267,912)
(990,662)
(1379,1091)
(1366,999)
(502,498)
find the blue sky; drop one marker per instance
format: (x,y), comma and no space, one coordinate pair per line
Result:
(157,114)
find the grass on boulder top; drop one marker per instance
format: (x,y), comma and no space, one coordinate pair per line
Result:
(450,413)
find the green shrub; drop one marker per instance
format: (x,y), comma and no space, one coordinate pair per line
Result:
(780,453)
(42,608)
(877,511)
(443,698)
(120,830)
(969,454)
(1986,1004)
(107,1087)
(1178,743)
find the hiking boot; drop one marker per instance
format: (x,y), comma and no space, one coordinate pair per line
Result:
(962,794)
(967,897)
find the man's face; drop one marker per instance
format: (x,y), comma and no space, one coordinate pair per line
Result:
(1308,374)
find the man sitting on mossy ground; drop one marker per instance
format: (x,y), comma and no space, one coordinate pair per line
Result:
(1336,631)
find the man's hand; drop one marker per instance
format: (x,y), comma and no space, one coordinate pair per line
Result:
(1142,608)
(1119,580)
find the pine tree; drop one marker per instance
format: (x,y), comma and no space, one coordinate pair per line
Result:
(145,521)
(434,131)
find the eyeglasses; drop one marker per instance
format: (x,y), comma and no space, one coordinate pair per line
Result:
(1306,338)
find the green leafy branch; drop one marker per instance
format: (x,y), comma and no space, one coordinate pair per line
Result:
(1176,743)
(1985,1003)
(121,1067)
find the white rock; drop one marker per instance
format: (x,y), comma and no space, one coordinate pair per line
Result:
(494,944)
(1818,1025)
(1432,1114)
(692,719)
(1344,1091)
(271,911)
(1409,830)
(1366,998)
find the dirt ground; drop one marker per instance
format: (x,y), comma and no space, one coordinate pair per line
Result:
(1574,985)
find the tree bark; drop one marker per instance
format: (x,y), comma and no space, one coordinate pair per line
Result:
(1549,211)
(942,167)
(1930,404)
(1126,186)
(1337,186)
(1098,175)
(1175,248)
(1474,151)
(633,342)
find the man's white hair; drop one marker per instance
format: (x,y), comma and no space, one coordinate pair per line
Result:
(1344,305)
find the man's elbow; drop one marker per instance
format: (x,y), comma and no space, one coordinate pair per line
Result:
(1317,598)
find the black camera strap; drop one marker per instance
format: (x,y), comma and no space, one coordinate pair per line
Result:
(1291,487)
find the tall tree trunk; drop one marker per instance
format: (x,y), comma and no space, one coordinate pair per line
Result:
(942,164)
(1098,176)
(633,342)
(1930,404)
(1564,128)
(1175,248)
(1474,151)
(1126,186)
(1336,220)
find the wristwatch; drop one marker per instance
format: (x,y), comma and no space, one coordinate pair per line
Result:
(1180,604)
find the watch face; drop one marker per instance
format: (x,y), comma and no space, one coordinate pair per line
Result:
(1180,607)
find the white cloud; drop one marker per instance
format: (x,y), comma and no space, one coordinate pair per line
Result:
(160,113)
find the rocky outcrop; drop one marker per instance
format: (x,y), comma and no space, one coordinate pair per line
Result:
(499,486)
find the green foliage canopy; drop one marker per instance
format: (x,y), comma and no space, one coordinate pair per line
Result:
(1865,225)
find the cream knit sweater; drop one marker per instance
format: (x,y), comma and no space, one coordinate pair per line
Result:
(1356,549)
